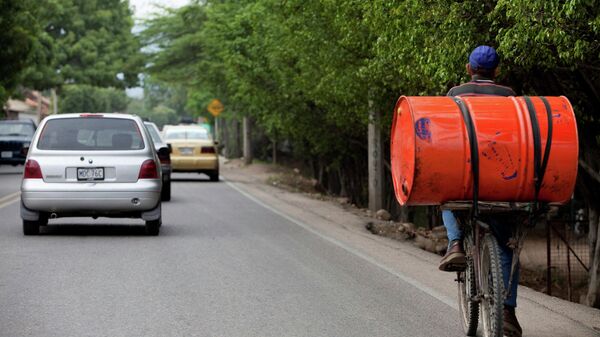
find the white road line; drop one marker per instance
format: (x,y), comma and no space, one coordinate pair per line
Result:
(9,199)
(430,291)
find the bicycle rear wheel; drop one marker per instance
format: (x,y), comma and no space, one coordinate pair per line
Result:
(492,287)
(468,307)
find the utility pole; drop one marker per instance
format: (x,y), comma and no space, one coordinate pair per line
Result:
(247,141)
(375,160)
(54,102)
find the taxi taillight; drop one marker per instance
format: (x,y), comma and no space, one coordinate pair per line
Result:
(208,149)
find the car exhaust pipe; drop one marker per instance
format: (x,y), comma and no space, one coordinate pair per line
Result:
(53,216)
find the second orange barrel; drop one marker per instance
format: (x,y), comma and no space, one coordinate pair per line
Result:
(431,159)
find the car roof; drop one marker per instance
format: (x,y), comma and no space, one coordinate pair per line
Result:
(189,126)
(87,114)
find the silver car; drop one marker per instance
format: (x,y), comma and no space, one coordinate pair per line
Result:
(97,165)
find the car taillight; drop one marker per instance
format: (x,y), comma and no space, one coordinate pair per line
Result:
(208,149)
(148,170)
(32,170)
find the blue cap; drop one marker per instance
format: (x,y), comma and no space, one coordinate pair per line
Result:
(484,57)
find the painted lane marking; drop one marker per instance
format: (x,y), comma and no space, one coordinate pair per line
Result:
(427,290)
(9,199)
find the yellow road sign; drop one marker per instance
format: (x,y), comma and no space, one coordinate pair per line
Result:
(215,107)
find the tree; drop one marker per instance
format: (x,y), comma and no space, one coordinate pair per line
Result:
(86,98)
(86,42)
(17,41)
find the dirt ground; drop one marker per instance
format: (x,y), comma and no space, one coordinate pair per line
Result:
(533,255)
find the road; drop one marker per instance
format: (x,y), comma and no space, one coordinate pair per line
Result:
(223,265)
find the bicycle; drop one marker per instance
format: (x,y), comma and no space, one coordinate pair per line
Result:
(481,291)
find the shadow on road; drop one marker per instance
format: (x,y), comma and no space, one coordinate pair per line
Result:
(197,180)
(93,230)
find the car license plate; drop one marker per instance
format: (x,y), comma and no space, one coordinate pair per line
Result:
(90,173)
(6,154)
(186,151)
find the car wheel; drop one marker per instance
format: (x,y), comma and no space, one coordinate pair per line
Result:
(165,194)
(214,176)
(153,227)
(31,227)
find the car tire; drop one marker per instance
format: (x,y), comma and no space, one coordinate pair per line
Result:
(153,227)
(165,194)
(214,176)
(31,227)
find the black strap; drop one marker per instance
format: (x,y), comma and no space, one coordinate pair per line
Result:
(540,163)
(537,143)
(474,148)
(548,143)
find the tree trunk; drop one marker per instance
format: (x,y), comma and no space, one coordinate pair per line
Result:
(375,159)
(247,141)
(593,294)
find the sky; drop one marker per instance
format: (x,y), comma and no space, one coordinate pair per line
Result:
(143,9)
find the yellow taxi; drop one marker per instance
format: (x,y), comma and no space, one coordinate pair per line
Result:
(193,150)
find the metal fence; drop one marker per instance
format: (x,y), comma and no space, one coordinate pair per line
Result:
(568,255)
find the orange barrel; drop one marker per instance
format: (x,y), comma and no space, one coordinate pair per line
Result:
(431,159)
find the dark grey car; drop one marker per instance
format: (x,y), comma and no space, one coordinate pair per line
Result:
(15,138)
(164,155)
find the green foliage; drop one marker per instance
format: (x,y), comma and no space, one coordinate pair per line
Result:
(85,42)
(17,39)
(305,70)
(77,98)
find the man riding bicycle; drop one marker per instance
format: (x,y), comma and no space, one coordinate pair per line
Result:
(483,67)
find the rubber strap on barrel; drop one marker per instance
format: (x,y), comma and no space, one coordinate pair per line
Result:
(537,143)
(548,144)
(474,148)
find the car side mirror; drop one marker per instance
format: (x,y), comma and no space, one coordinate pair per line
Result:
(164,152)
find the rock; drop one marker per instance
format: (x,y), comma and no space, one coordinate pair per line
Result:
(384,215)
(429,245)
(297,171)
(439,229)
(420,241)
(438,234)
(314,182)
(343,200)
(409,227)
(369,213)
(440,247)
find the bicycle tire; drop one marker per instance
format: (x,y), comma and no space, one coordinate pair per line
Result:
(468,308)
(492,287)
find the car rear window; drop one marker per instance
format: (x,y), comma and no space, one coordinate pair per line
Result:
(153,133)
(186,134)
(91,134)
(16,130)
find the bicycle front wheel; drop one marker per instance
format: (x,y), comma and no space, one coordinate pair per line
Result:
(492,287)
(468,306)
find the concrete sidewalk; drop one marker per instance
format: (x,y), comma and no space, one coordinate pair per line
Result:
(539,314)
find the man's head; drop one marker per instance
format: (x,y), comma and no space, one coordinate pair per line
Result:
(483,61)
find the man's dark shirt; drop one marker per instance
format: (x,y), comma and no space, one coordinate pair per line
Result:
(481,86)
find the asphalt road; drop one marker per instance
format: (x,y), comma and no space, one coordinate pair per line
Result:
(222,266)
